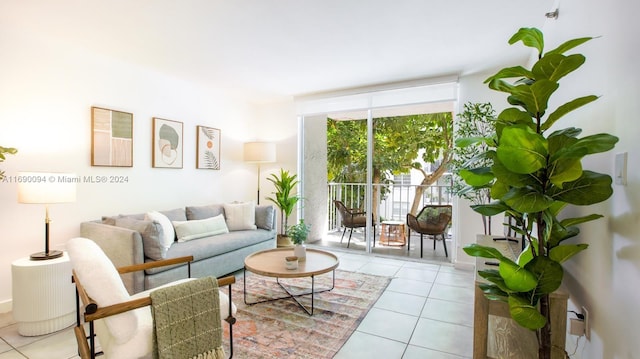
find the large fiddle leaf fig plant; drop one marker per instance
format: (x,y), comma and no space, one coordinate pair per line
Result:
(537,172)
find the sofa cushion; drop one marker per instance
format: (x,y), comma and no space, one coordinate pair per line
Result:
(152,235)
(264,217)
(240,216)
(199,228)
(102,282)
(202,212)
(207,247)
(167,227)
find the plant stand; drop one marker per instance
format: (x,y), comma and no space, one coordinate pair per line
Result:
(495,334)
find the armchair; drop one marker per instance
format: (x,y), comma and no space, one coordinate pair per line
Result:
(432,220)
(122,323)
(352,218)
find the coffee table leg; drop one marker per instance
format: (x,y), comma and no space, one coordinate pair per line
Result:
(291,295)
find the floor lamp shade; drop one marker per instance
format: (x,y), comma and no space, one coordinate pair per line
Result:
(46,188)
(259,152)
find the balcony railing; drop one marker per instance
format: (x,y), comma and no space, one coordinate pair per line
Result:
(395,203)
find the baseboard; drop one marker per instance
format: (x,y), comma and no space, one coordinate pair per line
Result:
(6,306)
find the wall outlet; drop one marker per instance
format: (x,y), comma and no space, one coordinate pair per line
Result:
(587,323)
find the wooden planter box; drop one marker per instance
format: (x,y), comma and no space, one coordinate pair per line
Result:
(496,335)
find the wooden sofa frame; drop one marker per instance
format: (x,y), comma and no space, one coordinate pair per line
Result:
(90,311)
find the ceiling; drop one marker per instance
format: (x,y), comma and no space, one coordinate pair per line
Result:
(273,49)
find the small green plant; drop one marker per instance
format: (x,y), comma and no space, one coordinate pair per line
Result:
(298,232)
(284,199)
(7,150)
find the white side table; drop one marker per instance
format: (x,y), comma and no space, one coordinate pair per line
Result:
(43,295)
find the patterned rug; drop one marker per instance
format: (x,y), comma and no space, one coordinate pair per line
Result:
(281,329)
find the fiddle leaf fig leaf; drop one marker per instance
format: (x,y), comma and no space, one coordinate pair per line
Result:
(477,177)
(525,314)
(521,150)
(510,72)
(530,37)
(568,45)
(549,273)
(517,278)
(527,200)
(490,209)
(566,108)
(555,66)
(476,250)
(564,252)
(533,98)
(590,188)
(578,220)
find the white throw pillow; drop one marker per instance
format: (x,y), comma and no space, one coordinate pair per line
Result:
(199,228)
(168,232)
(101,280)
(240,215)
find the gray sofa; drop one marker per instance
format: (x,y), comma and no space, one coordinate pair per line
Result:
(133,239)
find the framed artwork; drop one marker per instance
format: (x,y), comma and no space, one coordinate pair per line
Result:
(208,148)
(167,143)
(111,138)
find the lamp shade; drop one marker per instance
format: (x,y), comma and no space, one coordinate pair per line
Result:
(259,152)
(46,187)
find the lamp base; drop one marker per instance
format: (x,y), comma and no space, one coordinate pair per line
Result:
(41,256)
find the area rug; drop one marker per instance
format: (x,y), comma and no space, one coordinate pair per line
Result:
(281,329)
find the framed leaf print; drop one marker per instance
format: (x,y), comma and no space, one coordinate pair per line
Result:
(111,138)
(208,148)
(167,143)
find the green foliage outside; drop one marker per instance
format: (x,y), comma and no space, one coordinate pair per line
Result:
(398,144)
(537,172)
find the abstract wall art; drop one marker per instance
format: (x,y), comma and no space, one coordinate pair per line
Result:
(111,138)
(167,144)
(208,148)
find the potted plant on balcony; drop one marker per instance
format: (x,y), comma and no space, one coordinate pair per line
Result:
(285,201)
(536,173)
(298,234)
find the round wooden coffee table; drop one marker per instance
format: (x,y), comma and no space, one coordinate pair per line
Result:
(271,263)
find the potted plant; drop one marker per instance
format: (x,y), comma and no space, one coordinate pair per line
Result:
(298,234)
(537,172)
(476,121)
(7,150)
(284,200)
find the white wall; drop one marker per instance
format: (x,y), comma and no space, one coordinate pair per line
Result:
(606,277)
(46,92)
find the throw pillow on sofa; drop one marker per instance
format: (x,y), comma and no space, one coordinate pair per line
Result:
(199,228)
(152,235)
(167,227)
(264,217)
(240,216)
(203,212)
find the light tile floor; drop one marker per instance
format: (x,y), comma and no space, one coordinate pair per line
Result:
(425,312)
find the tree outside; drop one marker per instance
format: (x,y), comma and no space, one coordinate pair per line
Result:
(401,143)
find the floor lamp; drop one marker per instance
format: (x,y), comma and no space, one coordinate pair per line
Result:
(46,188)
(259,152)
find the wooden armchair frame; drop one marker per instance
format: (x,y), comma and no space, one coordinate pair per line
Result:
(91,311)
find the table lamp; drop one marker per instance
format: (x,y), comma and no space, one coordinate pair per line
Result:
(46,188)
(259,152)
